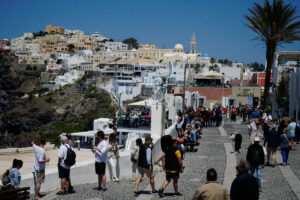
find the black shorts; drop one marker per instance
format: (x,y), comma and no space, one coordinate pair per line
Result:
(100,168)
(174,176)
(63,173)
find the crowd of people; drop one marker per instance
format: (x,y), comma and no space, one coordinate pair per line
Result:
(189,124)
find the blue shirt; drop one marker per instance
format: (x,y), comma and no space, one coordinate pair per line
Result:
(292,127)
(15,177)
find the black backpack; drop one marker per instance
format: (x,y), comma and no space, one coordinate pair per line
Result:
(71,157)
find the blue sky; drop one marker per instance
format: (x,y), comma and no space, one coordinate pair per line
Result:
(218,24)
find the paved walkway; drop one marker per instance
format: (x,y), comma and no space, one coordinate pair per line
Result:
(274,184)
(215,151)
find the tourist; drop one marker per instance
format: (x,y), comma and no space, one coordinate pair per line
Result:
(253,130)
(173,166)
(63,168)
(211,190)
(113,155)
(145,164)
(218,116)
(101,151)
(14,174)
(267,117)
(40,161)
(237,143)
(210,117)
(285,145)
(256,159)
(134,157)
(244,186)
(272,140)
(70,142)
(292,130)
(179,124)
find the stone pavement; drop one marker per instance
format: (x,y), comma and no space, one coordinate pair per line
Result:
(215,150)
(274,184)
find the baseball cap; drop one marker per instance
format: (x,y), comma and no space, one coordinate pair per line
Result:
(256,139)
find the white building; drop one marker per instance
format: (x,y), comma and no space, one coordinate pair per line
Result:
(114,46)
(288,62)
(31,47)
(97,36)
(59,55)
(294,95)
(71,62)
(73,32)
(68,78)
(17,44)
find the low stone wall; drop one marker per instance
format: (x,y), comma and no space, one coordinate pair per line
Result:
(22,150)
(84,172)
(81,173)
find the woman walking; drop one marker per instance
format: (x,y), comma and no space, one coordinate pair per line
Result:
(285,145)
(113,155)
(134,157)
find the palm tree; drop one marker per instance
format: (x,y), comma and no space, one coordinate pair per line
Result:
(274,25)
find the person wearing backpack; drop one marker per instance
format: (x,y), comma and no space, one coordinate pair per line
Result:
(256,159)
(66,158)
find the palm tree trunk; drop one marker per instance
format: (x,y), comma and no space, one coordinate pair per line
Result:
(271,48)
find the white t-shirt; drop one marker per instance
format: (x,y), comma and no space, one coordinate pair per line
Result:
(62,153)
(267,118)
(102,156)
(39,155)
(253,127)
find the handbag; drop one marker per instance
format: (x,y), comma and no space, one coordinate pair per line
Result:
(290,142)
(117,154)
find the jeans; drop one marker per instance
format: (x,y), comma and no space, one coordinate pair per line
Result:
(210,123)
(285,155)
(258,173)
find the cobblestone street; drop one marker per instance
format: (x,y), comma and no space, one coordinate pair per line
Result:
(211,153)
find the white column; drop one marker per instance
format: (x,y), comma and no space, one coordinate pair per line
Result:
(157,120)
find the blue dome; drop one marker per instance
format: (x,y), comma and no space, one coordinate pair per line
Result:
(206,55)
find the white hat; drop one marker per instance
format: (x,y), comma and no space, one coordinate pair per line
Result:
(256,139)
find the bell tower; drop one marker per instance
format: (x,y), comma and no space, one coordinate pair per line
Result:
(193,44)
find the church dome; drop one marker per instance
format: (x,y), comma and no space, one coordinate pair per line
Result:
(178,48)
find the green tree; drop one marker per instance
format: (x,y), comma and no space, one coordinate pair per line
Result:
(274,24)
(212,61)
(132,43)
(71,47)
(282,90)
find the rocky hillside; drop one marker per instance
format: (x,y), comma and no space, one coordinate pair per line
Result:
(30,112)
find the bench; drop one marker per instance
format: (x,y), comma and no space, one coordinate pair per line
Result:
(16,194)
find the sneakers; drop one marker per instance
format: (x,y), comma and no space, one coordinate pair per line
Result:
(161,192)
(136,193)
(115,179)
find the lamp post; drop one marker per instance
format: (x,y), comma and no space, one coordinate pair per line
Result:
(184,83)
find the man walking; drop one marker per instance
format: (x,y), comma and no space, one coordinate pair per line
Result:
(292,129)
(211,189)
(39,165)
(256,159)
(173,166)
(63,167)
(101,151)
(244,186)
(272,140)
(145,164)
